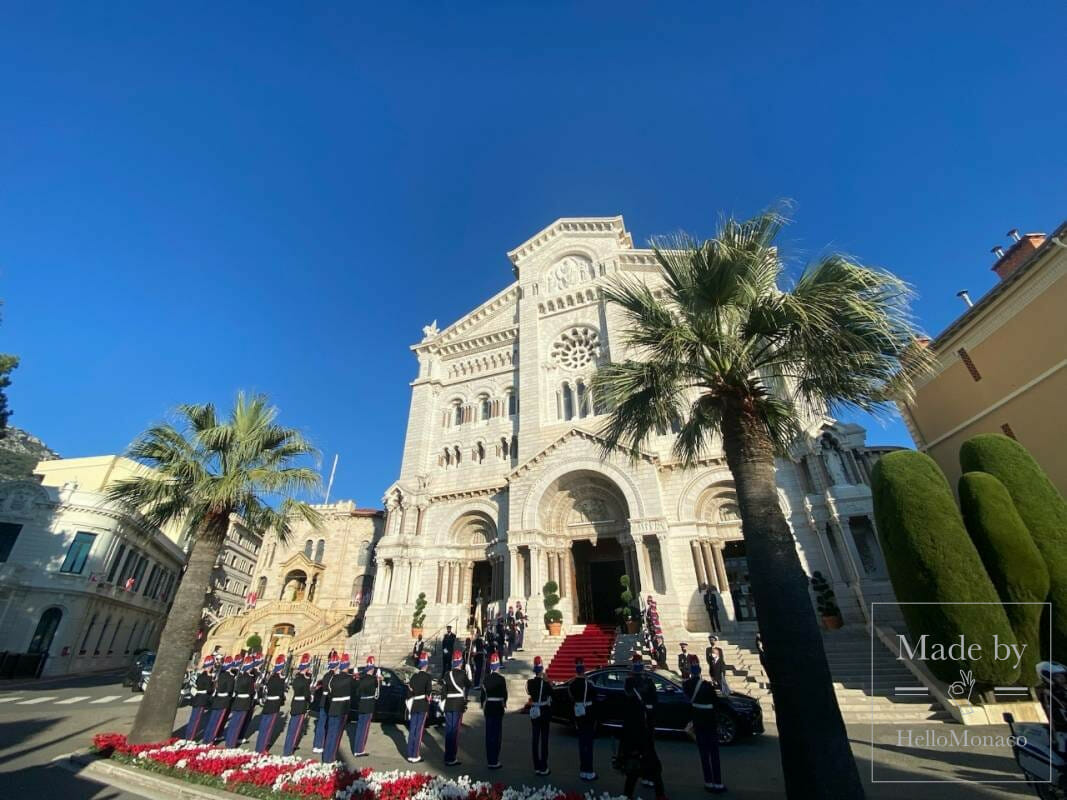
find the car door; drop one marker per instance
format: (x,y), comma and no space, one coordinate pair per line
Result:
(390,696)
(609,687)
(672,706)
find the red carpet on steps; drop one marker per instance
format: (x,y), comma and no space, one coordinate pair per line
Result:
(593,645)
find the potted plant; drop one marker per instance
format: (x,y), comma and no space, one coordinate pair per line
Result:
(253,644)
(826,602)
(632,625)
(419,616)
(553,616)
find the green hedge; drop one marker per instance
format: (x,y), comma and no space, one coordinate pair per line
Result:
(1011,559)
(1041,508)
(931,559)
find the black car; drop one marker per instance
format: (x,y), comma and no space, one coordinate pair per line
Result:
(739,715)
(391,705)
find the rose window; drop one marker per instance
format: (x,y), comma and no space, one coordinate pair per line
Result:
(576,348)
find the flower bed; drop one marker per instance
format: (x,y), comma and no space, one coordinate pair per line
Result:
(293,778)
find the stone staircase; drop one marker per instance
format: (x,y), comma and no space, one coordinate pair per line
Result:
(848,652)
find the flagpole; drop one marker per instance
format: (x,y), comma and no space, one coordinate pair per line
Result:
(329,485)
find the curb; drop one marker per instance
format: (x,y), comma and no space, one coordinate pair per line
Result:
(137,781)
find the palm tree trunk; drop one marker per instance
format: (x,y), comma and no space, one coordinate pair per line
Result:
(155,716)
(816,758)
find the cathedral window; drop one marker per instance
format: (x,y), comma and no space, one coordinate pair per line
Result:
(515,447)
(576,348)
(479,452)
(364,554)
(307,548)
(458,415)
(513,404)
(447,457)
(320,550)
(583,399)
(455,454)
(568,402)
(504,448)
(487,410)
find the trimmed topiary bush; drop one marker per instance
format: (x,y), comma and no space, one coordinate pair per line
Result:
(931,559)
(1041,508)
(253,643)
(1011,559)
(551,598)
(418,616)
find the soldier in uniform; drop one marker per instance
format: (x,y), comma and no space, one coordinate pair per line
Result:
(201,697)
(417,649)
(321,702)
(496,699)
(454,686)
(272,706)
(337,711)
(243,700)
(584,719)
(220,702)
(520,626)
(365,698)
(637,747)
(683,659)
(477,661)
(501,639)
(420,691)
(448,645)
(701,694)
(298,708)
(540,692)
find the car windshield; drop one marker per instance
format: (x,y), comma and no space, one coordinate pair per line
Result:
(403,673)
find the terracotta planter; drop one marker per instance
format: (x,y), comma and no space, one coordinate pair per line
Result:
(832,623)
(554,628)
(416,632)
(632,626)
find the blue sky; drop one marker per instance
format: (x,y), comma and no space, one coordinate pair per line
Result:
(277,197)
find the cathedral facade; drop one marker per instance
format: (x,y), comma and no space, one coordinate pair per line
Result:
(505,484)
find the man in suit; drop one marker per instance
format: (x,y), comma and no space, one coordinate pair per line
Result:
(454,687)
(585,720)
(496,699)
(301,702)
(202,691)
(244,687)
(272,706)
(339,706)
(683,659)
(321,702)
(448,646)
(365,699)
(701,694)
(540,692)
(420,691)
(417,649)
(711,603)
(220,701)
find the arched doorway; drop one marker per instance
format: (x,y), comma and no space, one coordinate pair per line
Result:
(736,564)
(280,637)
(46,631)
(597,570)
(294,586)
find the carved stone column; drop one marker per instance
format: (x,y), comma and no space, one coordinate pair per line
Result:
(720,570)
(707,550)
(698,562)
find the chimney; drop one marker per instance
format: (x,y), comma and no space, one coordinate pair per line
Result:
(963,295)
(997,250)
(1019,251)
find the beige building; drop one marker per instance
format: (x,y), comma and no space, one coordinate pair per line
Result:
(309,593)
(1000,366)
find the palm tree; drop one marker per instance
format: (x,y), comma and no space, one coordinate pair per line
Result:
(205,471)
(723,351)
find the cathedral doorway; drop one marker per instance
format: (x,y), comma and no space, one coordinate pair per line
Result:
(481,592)
(737,576)
(294,586)
(597,570)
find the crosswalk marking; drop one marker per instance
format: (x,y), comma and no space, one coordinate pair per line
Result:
(137,698)
(35,701)
(11,698)
(107,699)
(70,700)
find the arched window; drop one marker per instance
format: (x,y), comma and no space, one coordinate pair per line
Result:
(568,402)
(487,409)
(513,404)
(515,446)
(583,399)
(364,554)
(505,448)
(46,631)
(479,452)
(88,633)
(307,547)
(448,457)
(456,455)
(320,550)
(457,415)
(261,587)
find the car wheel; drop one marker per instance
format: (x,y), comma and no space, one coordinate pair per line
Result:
(727,726)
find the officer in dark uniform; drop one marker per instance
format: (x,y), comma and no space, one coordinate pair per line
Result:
(321,701)
(300,704)
(491,644)
(448,645)
(243,700)
(454,687)
(420,691)
(220,702)
(701,694)
(683,659)
(640,693)
(417,649)
(259,681)
(477,661)
(540,692)
(509,635)
(202,691)
(365,698)
(501,639)
(337,711)
(661,653)
(585,720)
(272,706)
(520,627)
(496,699)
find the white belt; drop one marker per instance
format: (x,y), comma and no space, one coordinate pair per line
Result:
(648,705)
(543,703)
(494,699)
(242,695)
(454,696)
(274,697)
(332,698)
(201,691)
(703,705)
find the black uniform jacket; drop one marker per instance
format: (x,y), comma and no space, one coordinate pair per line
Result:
(202,690)
(318,697)
(540,691)
(419,690)
(301,694)
(367,694)
(703,702)
(448,645)
(496,694)
(454,686)
(223,690)
(275,696)
(244,692)
(340,694)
